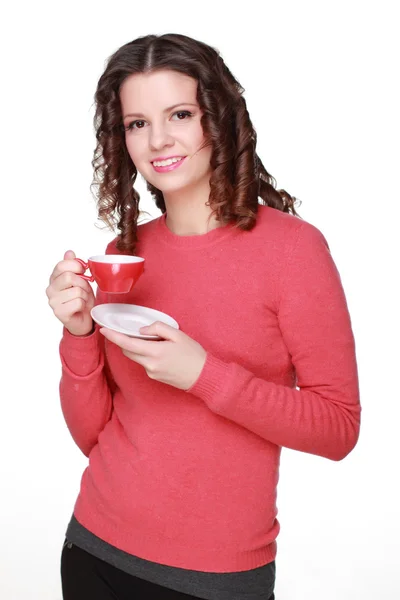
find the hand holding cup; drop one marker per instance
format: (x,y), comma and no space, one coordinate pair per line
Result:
(70,296)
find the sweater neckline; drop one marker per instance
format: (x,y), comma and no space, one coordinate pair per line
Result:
(192,241)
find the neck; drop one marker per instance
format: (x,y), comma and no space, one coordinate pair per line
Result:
(187,212)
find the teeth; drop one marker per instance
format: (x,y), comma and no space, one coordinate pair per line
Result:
(165,163)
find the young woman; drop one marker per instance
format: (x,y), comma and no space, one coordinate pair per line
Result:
(184,434)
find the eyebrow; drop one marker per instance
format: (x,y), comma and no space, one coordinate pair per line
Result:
(141,116)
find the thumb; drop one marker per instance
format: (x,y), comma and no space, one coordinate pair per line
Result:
(161,329)
(69,254)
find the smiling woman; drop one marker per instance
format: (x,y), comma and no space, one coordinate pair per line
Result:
(169,96)
(184,429)
(163,139)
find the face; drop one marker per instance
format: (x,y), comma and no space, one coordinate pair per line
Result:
(163,133)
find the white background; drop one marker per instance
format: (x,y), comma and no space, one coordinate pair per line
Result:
(321,86)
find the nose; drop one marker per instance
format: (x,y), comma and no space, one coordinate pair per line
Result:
(160,137)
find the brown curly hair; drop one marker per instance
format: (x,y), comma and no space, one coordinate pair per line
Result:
(238,177)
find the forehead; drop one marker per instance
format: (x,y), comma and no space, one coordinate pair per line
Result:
(156,90)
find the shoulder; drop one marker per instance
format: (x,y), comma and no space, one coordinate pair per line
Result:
(286,229)
(146,227)
(143,230)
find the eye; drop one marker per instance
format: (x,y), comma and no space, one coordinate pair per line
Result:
(182,114)
(139,124)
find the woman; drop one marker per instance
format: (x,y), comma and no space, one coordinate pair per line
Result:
(184,434)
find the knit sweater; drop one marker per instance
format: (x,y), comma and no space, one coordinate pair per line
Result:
(188,478)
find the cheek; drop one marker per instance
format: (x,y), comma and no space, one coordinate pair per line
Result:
(135,150)
(205,153)
(197,140)
(197,136)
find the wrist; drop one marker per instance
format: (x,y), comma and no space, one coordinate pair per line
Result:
(81,335)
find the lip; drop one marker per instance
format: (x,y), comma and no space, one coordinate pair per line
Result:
(169,167)
(167,157)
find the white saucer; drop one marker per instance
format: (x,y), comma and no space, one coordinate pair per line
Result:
(129,318)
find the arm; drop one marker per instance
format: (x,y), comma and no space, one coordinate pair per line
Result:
(86,387)
(322,417)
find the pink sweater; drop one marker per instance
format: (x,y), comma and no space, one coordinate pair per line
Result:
(188,478)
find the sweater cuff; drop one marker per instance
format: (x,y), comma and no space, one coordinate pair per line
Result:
(211,385)
(80,355)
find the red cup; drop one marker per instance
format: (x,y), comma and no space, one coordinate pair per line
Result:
(113,273)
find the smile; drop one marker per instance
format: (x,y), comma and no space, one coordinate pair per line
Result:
(162,166)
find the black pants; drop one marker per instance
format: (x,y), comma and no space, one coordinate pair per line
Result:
(86,577)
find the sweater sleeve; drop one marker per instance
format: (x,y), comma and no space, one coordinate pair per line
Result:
(322,416)
(86,385)
(85,389)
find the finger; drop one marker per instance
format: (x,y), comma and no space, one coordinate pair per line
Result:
(67,310)
(162,330)
(66,265)
(137,358)
(67,295)
(133,345)
(69,279)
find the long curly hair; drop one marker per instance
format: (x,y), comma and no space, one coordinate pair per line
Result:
(238,181)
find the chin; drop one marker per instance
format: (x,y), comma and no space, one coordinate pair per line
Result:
(169,187)
(172,190)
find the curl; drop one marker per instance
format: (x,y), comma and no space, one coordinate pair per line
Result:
(239,181)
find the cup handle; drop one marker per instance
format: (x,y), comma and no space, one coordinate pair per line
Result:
(85,266)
